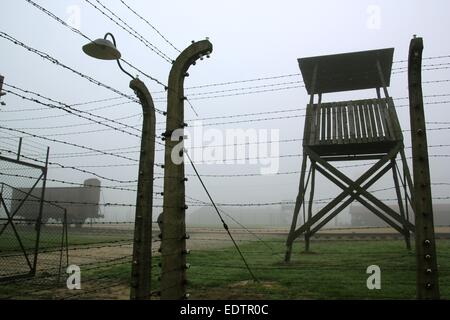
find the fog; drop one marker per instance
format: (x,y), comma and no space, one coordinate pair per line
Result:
(251,39)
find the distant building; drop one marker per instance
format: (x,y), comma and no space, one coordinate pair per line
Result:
(81,203)
(262,216)
(360,216)
(254,217)
(248,216)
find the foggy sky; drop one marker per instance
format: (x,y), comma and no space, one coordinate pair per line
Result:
(251,39)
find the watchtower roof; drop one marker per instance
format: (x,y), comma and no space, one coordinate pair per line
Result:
(347,71)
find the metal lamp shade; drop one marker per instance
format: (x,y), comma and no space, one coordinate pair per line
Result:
(102,49)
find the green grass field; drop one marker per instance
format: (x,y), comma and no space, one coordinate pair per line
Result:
(333,270)
(50,237)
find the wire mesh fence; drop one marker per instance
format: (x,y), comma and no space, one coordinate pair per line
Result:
(19,213)
(33,232)
(97,248)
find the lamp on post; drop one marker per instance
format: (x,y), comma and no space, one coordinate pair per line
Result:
(142,246)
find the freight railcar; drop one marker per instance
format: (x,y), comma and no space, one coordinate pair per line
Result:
(81,203)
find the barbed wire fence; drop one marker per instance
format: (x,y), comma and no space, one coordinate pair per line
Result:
(103,249)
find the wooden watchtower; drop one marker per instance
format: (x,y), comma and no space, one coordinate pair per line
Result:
(362,130)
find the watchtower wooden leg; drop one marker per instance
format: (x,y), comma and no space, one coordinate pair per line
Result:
(356,190)
(400,204)
(332,204)
(406,191)
(311,198)
(298,204)
(408,176)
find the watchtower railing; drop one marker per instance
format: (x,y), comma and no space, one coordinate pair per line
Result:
(364,121)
